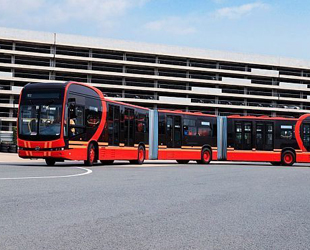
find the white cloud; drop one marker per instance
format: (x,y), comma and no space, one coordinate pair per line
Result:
(172,25)
(240,11)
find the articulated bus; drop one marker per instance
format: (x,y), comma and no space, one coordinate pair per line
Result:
(74,121)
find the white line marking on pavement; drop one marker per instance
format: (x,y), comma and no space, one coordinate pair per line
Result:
(88,171)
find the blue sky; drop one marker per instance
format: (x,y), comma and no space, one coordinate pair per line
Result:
(275,27)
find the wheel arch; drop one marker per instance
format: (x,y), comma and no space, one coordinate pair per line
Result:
(288,149)
(142,144)
(206,146)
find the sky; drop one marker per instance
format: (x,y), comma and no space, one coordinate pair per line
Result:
(274,27)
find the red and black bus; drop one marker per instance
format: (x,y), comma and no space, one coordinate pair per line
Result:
(281,141)
(73,121)
(185,136)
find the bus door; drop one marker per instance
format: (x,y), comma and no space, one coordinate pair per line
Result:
(129,129)
(306,135)
(260,134)
(114,125)
(268,136)
(174,133)
(243,135)
(264,136)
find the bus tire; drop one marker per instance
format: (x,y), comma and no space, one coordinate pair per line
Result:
(91,155)
(50,162)
(141,156)
(107,162)
(182,161)
(288,158)
(206,156)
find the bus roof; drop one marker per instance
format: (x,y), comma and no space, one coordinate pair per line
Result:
(125,104)
(263,117)
(184,112)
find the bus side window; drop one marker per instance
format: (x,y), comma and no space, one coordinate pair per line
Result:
(204,128)
(269,135)
(116,125)
(93,114)
(110,124)
(189,127)
(141,123)
(76,122)
(286,132)
(238,139)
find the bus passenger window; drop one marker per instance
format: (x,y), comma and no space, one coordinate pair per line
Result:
(93,117)
(286,132)
(76,121)
(238,133)
(161,127)
(141,123)
(204,129)
(247,133)
(189,127)
(269,136)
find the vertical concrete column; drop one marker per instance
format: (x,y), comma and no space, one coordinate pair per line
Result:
(89,66)
(52,62)
(156,72)
(216,100)
(13,59)
(124,84)
(155,92)
(188,64)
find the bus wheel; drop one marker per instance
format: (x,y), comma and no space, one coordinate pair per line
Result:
(91,155)
(50,162)
(288,158)
(182,161)
(206,156)
(110,162)
(141,156)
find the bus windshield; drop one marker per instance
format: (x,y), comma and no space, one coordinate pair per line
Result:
(40,116)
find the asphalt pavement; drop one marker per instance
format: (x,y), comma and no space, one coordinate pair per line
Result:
(159,205)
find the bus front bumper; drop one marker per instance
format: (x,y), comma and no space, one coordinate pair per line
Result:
(57,154)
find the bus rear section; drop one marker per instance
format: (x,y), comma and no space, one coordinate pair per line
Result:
(278,140)
(73,121)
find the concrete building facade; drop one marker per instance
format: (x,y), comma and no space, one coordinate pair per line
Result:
(154,76)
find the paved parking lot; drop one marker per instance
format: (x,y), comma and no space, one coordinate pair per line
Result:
(160,205)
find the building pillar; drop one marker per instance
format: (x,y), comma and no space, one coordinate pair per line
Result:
(52,75)
(123,84)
